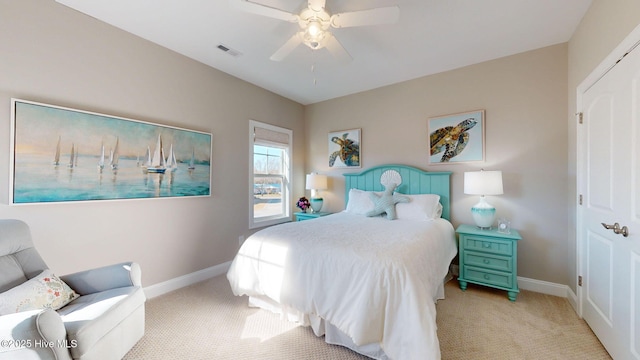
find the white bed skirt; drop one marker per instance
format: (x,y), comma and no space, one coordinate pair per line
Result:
(332,335)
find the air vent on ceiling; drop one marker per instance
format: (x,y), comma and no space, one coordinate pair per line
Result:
(229,50)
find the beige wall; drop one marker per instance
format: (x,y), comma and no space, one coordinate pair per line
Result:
(55,55)
(525,98)
(603,27)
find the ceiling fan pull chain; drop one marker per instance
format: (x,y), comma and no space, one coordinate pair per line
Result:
(313,67)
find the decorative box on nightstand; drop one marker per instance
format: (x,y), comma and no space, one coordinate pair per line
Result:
(300,216)
(488,257)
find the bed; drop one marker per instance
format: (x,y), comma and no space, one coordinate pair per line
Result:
(364,282)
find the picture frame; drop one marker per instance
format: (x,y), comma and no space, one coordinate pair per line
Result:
(456,138)
(345,149)
(60,154)
(504,226)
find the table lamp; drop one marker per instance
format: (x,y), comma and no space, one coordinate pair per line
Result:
(315,183)
(483,183)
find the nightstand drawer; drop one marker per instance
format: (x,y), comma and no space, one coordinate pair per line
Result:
(496,262)
(488,277)
(489,245)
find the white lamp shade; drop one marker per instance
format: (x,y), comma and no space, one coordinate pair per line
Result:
(483,183)
(316,182)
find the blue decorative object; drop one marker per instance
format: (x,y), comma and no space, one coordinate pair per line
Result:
(316,203)
(386,202)
(483,214)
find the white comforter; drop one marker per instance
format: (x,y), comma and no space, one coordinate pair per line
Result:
(374,279)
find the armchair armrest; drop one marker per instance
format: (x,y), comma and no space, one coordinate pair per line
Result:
(104,278)
(33,334)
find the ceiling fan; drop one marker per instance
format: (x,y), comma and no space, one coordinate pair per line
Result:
(315,22)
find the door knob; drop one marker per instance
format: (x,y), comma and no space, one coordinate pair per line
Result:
(624,231)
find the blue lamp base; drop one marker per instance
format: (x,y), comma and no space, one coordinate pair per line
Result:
(316,204)
(483,214)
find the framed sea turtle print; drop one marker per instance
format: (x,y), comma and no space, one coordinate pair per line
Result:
(456,138)
(344,149)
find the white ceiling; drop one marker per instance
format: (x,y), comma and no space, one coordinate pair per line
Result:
(431,36)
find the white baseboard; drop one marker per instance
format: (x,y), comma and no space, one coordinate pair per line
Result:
(573,300)
(185,280)
(544,287)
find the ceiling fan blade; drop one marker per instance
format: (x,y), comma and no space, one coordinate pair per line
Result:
(316,5)
(287,48)
(264,10)
(383,15)
(336,49)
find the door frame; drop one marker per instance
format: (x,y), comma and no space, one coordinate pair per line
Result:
(629,43)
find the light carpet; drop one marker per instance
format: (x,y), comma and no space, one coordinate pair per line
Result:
(205,321)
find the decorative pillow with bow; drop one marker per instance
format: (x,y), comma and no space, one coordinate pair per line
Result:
(386,202)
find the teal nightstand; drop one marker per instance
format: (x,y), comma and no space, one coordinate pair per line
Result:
(488,258)
(300,216)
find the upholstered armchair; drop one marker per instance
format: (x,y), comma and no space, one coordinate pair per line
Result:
(94,314)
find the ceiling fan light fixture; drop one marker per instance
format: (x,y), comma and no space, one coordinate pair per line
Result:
(315,28)
(314,35)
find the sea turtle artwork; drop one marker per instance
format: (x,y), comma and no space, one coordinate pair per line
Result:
(451,139)
(349,152)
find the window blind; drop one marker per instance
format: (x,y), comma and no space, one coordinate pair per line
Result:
(262,134)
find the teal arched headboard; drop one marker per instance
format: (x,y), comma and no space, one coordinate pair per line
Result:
(414,181)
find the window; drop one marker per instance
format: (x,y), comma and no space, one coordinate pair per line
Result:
(270,174)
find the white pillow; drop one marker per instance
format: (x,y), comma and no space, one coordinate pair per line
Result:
(359,202)
(421,207)
(41,292)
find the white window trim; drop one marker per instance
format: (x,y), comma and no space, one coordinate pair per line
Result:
(286,185)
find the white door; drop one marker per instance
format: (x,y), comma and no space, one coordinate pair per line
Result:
(609,176)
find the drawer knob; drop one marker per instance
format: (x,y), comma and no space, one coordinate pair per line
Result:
(486,261)
(486,276)
(487,245)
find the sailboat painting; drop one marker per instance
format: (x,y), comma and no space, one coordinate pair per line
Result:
(66,155)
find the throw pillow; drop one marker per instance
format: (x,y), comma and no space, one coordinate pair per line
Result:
(41,292)
(359,202)
(421,207)
(386,202)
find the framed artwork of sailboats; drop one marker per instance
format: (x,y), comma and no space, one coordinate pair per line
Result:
(60,154)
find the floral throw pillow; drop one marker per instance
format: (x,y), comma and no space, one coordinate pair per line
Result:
(45,291)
